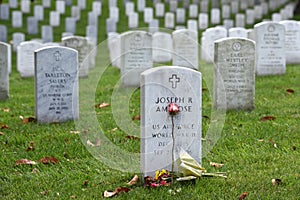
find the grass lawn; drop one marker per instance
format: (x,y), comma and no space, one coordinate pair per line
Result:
(253,151)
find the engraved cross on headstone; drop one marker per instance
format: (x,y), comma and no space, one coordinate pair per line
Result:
(174,80)
(57,55)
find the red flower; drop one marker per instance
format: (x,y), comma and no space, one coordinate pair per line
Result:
(173,109)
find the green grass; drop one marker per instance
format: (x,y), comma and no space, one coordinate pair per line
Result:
(246,147)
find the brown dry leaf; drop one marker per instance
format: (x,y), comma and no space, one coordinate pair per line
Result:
(137,117)
(48,160)
(4,126)
(131,137)
(86,182)
(30,147)
(102,105)
(243,195)
(28,120)
(117,191)
(5,109)
(218,165)
(1,133)
(25,162)
(73,197)
(267,118)
(134,180)
(291,91)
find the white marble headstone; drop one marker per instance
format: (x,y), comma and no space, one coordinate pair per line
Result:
(270,48)
(56,84)
(193,11)
(114,47)
(136,56)
(5,68)
(203,21)
(159,10)
(25,57)
(162,47)
(180,16)
(4,11)
(54,18)
(25,6)
(47,33)
(70,25)
(17,19)
(17,38)
(237,32)
(234,74)
(169,20)
(133,20)
(185,46)
(161,86)
(60,6)
(148,15)
(39,12)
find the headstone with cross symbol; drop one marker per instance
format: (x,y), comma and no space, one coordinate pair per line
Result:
(56,84)
(234,74)
(161,86)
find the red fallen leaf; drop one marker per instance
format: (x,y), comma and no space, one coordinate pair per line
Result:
(291,91)
(243,195)
(28,120)
(138,117)
(4,126)
(117,191)
(25,162)
(48,160)
(102,105)
(131,137)
(134,180)
(267,118)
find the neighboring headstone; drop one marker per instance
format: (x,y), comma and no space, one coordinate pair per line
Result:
(17,39)
(251,34)
(32,26)
(39,12)
(215,16)
(25,57)
(13,3)
(234,74)
(250,19)
(153,26)
(111,25)
(148,15)
(228,23)
(133,20)
(234,7)
(5,61)
(75,12)
(141,4)
(97,7)
(129,8)
(180,16)
(173,5)
(56,85)
(69,2)
(226,11)
(162,47)
(161,86)
(3,33)
(47,34)
(276,17)
(292,41)
(80,44)
(203,21)
(114,13)
(70,25)
(66,34)
(192,25)
(4,11)
(54,18)
(60,6)
(81,4)
(237,32)
(46,3)
(169,20)
(240,20)
(136,56)
(17,19)
(185,47)
(93,19)
(25,6)
(204,6)
(92,33)
(258,12)
(112,3)
(270,48)
(193,11)
(114,47)
(159,10)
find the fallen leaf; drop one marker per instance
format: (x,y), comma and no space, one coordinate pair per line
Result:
(267,118)
(73,197)
(137,117)
(294,147)
(25,162)
(291,91)
(74,132)
(261,140)
(102,105)
(30,147)
(1,133)
(243,195)
(114,129)
(5,109)
(86,182)
(134,180)
(98,142)
(276,181)
(117,191)
(45,192)
(4,126)
(28,120)
(132,137)
(48,160)
(218,165)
